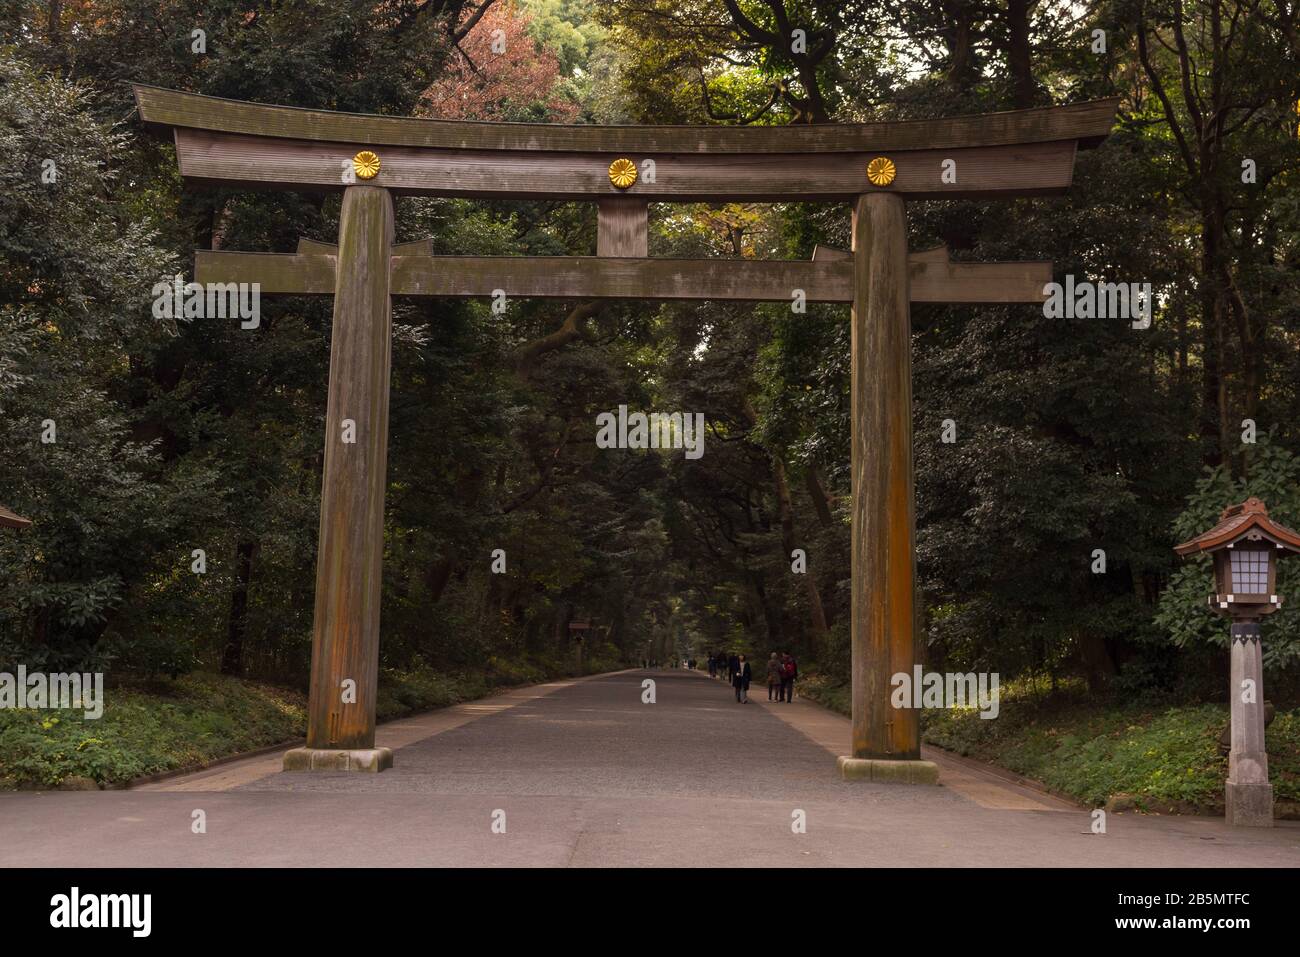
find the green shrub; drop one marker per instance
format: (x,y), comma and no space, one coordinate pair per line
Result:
(147,729)
(1090,749)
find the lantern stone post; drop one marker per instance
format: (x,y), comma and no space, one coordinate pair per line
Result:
(1247,794)
(1246,545)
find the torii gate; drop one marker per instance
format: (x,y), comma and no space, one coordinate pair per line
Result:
(873,166)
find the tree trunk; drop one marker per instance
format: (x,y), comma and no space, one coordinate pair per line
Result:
(1096,660)
(788,543)
(821,501)
(1213,388)
(438,576)
(961,49)
(1024,91)
(232,658)
(54,25)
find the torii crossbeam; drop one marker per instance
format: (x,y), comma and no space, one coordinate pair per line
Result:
(622,168)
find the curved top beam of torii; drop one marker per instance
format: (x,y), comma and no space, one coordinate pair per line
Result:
(234,143)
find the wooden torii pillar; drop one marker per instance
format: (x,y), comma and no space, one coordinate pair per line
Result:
(874,167)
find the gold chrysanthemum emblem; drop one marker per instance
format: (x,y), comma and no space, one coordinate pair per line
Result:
(622,173)
(881,171)
(366,164)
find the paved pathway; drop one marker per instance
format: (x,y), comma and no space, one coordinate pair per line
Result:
(584,774)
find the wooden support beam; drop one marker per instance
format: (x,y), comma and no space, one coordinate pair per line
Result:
(345,637)
(821,254)
(417,247)
(286,273)
(883,570)
(249,162)
(622,227)
(577,277)
(825,279)
(314,247)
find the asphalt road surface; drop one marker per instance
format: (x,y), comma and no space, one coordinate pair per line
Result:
(583,773)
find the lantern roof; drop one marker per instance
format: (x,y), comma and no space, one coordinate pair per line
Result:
(12,519)
(1236,522)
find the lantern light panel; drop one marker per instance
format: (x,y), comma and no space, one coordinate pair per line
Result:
(1250,571)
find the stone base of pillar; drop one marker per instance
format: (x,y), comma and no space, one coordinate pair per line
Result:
(372,760)
(1249,805)
(887,772)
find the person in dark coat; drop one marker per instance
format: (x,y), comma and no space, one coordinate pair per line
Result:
(733,665)
(740,681)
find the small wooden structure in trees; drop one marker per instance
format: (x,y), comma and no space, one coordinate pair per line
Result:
(10,519)
(578,633)
(874,167)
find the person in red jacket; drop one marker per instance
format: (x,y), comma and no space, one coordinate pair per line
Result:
(789,671)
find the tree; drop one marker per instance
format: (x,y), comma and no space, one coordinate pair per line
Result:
(499,73)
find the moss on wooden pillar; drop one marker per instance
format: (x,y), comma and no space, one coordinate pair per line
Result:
(345,639)
(883,624)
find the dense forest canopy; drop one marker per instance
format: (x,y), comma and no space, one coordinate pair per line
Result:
(134,442)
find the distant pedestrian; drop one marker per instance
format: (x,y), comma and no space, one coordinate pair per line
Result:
(713,665)
(773,676)
(789,671)
(733,665)
(740,681)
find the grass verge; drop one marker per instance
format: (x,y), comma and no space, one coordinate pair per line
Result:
(161,725)
(1154,757)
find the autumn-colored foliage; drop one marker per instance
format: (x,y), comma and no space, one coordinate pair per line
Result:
(499,72)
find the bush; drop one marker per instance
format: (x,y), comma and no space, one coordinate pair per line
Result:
(1274,477)
(145,730)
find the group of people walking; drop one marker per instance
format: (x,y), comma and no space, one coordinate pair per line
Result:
(781,673)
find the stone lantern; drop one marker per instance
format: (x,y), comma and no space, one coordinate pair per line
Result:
(1246,545)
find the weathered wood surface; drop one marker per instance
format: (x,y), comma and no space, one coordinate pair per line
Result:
(577,277)
(622,227)
(883,566)
(10,519)
(820,254)
(163,109)
(417,247)
(345,636)
(825,279)
(290,273)
(223,159)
